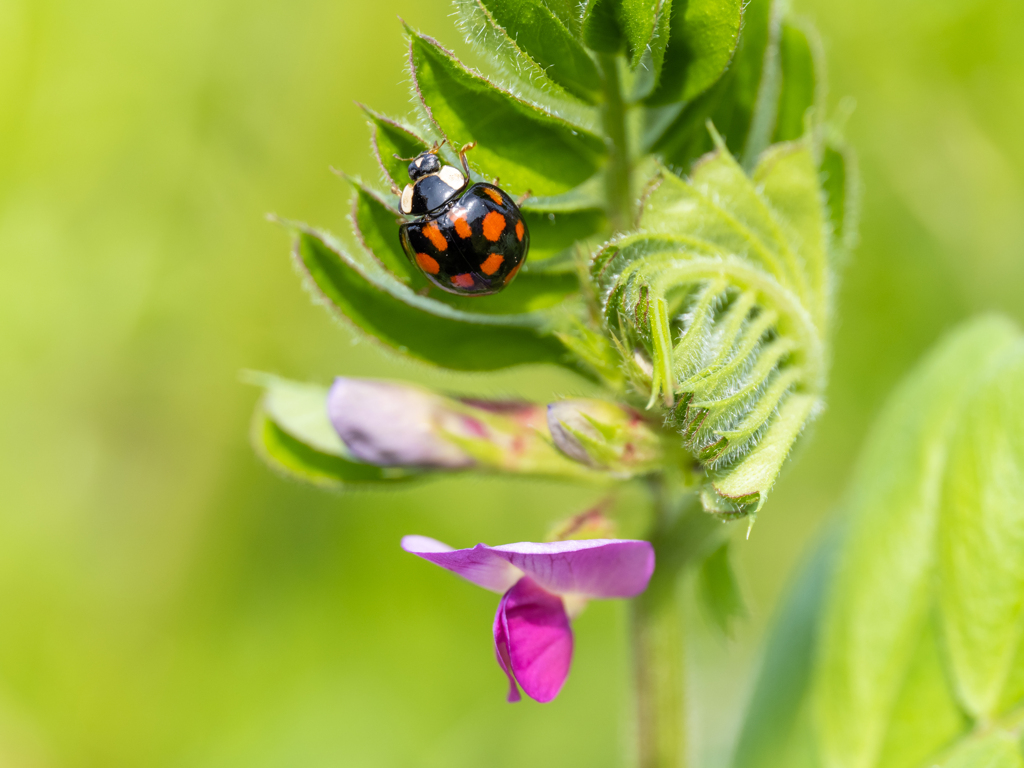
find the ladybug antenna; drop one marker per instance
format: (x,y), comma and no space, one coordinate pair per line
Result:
(433,150)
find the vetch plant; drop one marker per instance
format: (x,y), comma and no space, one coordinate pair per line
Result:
(685,205)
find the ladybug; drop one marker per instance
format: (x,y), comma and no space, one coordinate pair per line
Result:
(470,240)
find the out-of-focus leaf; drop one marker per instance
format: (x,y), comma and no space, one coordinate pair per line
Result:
(729,104)
(719,590)
(601,30)
(981,540)
(1000,749)
(376,226)
(702,38)
(799,55)
(292,433)
(390,138)
(882,602)
(776,717)
(518,28)
(920,627)
(528,148)
(390,312)
(839,182)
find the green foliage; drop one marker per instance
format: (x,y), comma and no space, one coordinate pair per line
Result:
(913,631)
(704,298)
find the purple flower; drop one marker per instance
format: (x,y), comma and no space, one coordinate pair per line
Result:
(542,587)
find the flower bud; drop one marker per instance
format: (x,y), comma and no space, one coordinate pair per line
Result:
(391,424)
(605,436)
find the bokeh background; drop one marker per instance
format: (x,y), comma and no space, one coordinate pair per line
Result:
(167,601)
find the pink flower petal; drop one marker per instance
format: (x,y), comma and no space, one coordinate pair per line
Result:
(501,651)
(477,565)
(595,568)
(533,630)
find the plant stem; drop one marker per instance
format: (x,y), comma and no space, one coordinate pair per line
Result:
(682,534)
(619,171)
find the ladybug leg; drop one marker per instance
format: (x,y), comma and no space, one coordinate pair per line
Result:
(523,198)
(395,190)
(462,156)
(496,181)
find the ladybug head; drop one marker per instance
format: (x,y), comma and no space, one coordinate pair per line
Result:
(423,165)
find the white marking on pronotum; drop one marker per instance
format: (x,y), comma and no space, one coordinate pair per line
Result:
(406,203)
(452,177)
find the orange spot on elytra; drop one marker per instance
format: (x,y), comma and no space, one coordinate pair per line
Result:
(428,264)
(519,230)
(458,218)
(463,281)
(493,194)
(434,236)
(492,263)
(513,273)
(494,225)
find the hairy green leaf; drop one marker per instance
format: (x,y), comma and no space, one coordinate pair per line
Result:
(389,138)
(839,183)
(638,20)
(701,40)
(528,148)
(390,312)
(721,300)
(518,29)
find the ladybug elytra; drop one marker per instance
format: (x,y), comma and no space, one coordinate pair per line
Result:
(469,240)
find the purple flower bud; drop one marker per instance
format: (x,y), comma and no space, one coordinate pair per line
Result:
(399,425)
(394,425)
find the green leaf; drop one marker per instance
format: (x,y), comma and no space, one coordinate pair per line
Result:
(774,731)
(719,590)
(1000,749)
(389,138)
(390,312)
(840,183)
(527,29)
(725,290)
(799,57)
(702,38)
(292,433)
(528,148)
(638,20)
(730,103)
(601,30)
(981,540)
(887,571)
(916,636)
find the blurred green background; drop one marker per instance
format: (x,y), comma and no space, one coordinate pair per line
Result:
(167,601)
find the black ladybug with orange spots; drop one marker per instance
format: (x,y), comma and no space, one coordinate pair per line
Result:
(469,241)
